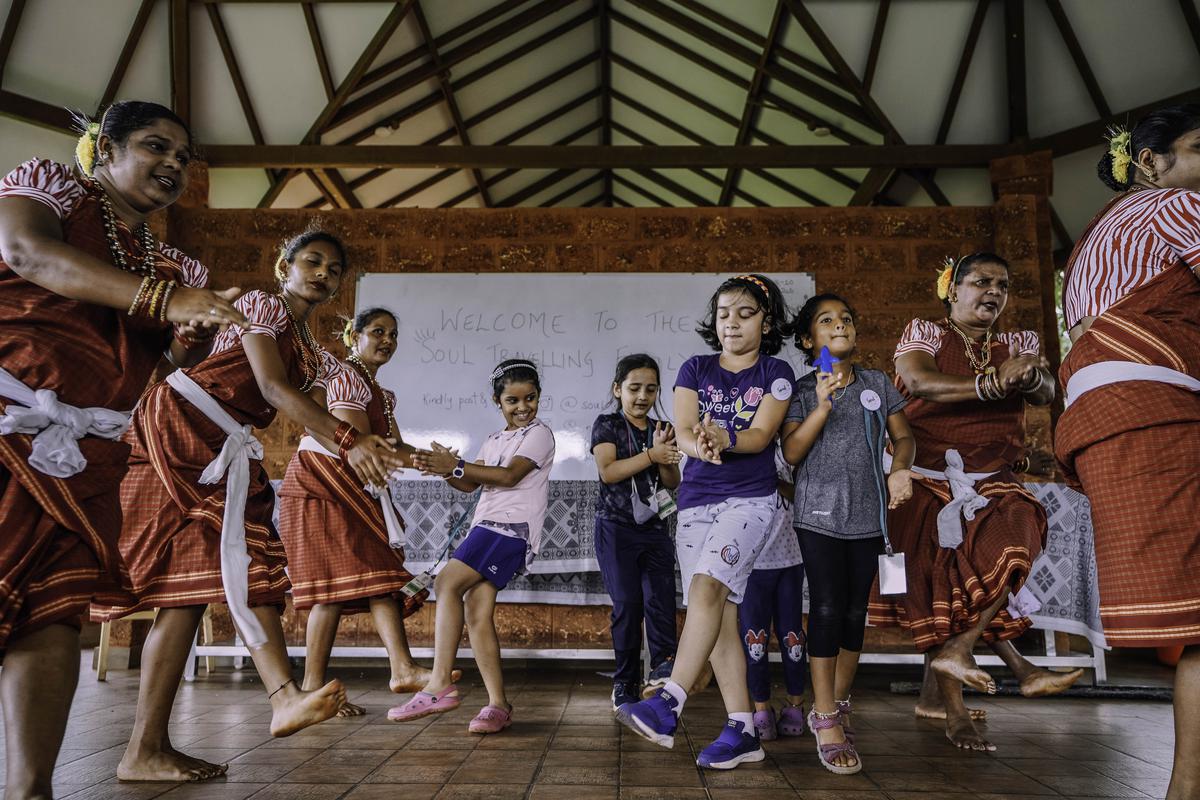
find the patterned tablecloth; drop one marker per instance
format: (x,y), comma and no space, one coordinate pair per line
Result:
(565,571)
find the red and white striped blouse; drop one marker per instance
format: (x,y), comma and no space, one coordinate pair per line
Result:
(1142,234)
(348,390)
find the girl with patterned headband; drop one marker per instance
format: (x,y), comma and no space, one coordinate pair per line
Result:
(728,408)
(513,471)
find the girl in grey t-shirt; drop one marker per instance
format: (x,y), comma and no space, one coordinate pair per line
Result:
(834,433)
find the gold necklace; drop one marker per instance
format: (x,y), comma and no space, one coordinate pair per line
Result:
(377,390)
(310,357)
(981,364)
(117,250)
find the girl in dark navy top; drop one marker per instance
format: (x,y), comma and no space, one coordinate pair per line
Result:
(636,455)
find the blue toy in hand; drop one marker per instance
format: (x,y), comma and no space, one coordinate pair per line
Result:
(825,361)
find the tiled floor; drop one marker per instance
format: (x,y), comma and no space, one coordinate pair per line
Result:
(565,744)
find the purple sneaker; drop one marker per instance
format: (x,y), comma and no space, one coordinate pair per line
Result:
(731,748)
(791,721)
(764,724)
(652,719)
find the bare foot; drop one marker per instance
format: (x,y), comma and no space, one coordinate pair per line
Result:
(166,767)
(298,710)
(938,711)
(962,668)
(348,709)
(1043,682)
(198,763)
(961,731)
(415,678)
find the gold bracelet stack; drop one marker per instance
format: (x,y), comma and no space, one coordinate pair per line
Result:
(152,298)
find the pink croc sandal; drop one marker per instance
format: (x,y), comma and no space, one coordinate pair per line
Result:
(490,719)
(422,704)
(818,722)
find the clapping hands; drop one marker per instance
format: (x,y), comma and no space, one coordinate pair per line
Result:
(438,460)
(711,440)
(664,450)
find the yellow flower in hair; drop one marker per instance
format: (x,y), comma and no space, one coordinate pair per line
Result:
(348,334)
(1120,148)
(943,281)
(85,149)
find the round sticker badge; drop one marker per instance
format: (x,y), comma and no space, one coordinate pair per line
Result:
(781,389)
(870,400)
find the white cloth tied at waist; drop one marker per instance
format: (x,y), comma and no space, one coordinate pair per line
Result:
(56,426)
(232,464)
(395,528)
(1104,373)
(965,501)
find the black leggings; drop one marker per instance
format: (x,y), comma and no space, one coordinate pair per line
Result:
(840,573)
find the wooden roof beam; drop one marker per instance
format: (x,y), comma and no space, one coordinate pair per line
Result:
(1081,63)
(907,157)
(851,83)
(629,133)
(960,74)
(646,193)
(1014,70)
(487,17)
(448,93)
(733,49)
(1192,18)
(571,190)
(9,34)
(414,77)
(127,50)
(881,15)
(752,108)
(318,45)
(179,31)
(606,61)
(430,100)
(758,40)
(810,119)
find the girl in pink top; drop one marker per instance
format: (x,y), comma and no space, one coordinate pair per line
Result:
(513,469)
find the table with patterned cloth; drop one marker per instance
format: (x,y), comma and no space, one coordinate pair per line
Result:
(565,572)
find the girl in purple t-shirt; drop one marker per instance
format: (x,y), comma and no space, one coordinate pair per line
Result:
(728,409)
(513,468)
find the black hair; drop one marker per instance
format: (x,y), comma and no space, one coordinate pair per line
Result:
(967,265)
(768,297)
(514,370)
(1157,131)
(124,117)
(802,324)
(360,321)
(289,249)
(627,364)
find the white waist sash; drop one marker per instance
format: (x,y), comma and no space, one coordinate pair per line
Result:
(965,501)
(232,464)
(57,426)
(1104,373)
(395,528)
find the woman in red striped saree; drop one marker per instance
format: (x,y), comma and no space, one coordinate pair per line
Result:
(198,501)
(971,531)
(344,547)
(89,301)
(1131,430)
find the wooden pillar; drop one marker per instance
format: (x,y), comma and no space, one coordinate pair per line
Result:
(1022,185)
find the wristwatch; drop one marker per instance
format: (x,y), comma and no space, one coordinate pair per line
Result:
(459,469)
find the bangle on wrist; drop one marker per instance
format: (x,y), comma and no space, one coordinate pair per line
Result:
(732,434)
(345,437)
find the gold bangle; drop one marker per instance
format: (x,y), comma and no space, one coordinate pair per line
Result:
(158,288)
(166,298)
(141,293)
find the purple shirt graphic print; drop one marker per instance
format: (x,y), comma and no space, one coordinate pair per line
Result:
(732,398)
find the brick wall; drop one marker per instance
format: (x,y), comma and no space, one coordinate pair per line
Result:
(882,259)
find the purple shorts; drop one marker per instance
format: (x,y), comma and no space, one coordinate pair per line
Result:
(493,555)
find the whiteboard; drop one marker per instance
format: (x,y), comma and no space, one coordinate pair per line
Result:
(455,328)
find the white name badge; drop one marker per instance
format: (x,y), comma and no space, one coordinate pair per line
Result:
(419,581)
(870,400)
(892,577)
(666,504)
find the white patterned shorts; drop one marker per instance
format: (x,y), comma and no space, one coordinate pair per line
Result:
(722,541)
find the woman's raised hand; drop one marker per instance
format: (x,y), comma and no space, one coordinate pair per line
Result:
(373,458)
(198,308)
